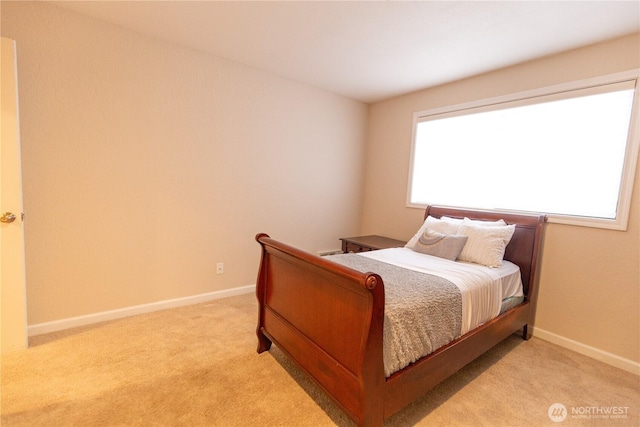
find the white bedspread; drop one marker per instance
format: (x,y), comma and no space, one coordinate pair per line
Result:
(482,288)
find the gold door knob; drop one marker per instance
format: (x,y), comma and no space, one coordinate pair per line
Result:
(8,217)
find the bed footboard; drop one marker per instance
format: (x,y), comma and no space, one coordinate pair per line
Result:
(329,320)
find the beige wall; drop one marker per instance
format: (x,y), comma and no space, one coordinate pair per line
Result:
(590,283)
(145,163)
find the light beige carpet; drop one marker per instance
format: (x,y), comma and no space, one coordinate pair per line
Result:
(197,366)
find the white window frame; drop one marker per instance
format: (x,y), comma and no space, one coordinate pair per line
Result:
(631,154)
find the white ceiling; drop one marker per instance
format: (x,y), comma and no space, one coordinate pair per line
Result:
(369,50)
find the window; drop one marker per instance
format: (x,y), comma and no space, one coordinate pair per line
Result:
(569,151)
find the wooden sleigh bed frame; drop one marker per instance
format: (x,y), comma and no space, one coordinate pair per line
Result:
(329,320)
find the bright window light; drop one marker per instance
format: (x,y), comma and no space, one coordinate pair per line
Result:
(563,154)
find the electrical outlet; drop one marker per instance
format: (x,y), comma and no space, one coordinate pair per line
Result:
(220,268)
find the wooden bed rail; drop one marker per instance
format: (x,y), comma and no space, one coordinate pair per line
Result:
(523,250)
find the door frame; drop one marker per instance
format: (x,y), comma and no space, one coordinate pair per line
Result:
(13,307)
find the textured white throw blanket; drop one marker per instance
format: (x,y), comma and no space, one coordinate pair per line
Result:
(483,288)
(422,311)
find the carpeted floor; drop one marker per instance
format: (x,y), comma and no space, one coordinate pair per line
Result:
(197,366)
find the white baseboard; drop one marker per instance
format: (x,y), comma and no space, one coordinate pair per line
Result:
(73,322)
(592,352)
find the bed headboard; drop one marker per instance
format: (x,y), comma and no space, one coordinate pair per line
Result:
(524,247)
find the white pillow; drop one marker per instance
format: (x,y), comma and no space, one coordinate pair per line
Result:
(485,244)
(444,225)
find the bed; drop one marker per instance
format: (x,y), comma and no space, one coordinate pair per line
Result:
(329,317)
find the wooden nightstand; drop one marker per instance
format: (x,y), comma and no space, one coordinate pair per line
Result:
(369,243)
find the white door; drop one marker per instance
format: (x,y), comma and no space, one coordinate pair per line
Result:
(13,307)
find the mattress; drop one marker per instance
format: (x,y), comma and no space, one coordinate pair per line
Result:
(431,301)
(483,289)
